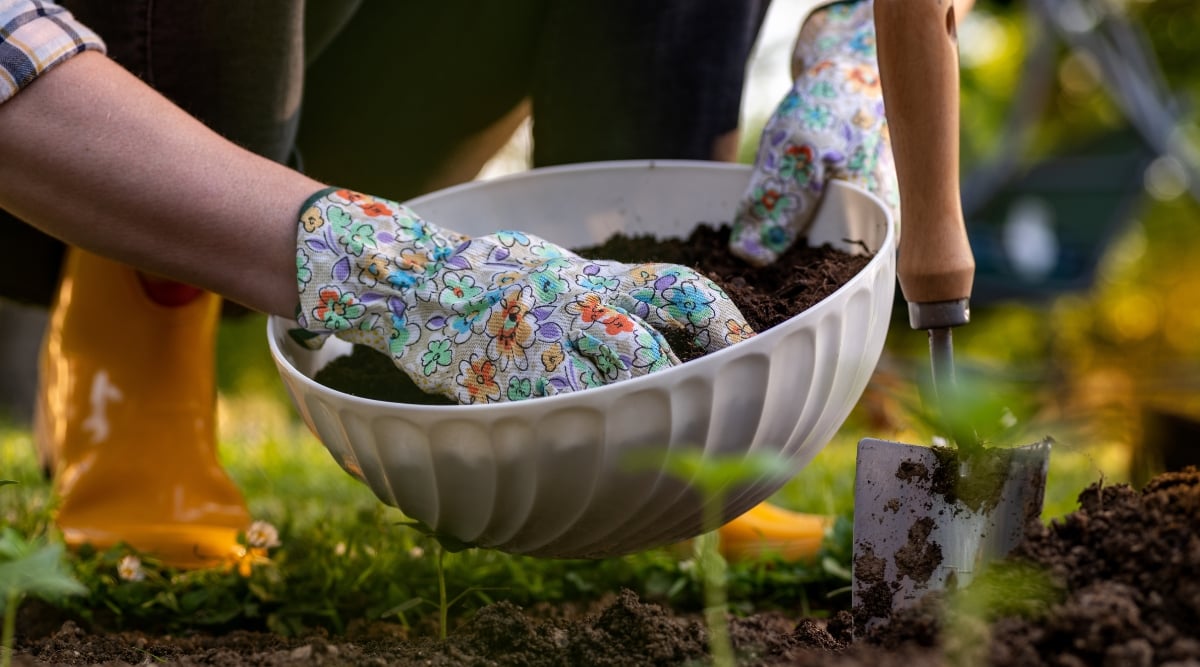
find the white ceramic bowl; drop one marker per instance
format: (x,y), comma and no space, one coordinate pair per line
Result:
(552,476)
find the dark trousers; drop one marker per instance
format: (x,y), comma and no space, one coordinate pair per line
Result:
(375,94)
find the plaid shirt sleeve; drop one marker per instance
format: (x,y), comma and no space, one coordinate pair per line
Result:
(35,36)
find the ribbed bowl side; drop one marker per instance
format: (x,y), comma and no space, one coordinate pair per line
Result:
(787,405)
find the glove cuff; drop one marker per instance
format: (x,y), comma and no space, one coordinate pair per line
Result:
(357,253)
(318,196)
(338,235)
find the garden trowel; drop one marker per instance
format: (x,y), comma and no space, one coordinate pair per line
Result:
(925,518)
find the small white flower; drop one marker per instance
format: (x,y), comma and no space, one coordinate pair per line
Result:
(339,549)
(416,552)
(262,535)
(129,568)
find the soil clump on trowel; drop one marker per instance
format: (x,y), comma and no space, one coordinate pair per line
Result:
(981,490)
(1116,582)
(767,296)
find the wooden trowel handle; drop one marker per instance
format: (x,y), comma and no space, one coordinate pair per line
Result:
(918,65)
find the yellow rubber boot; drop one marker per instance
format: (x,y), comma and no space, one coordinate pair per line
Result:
(768,530)
(126,416)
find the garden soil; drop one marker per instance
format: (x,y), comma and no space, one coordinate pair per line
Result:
(1123,576)
(1116,583)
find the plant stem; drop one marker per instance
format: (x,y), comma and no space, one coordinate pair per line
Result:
(713,572)
(10,628)
(443,606)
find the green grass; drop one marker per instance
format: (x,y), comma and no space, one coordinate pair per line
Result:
(346,560)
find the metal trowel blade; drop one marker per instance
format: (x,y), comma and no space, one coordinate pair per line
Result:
(925,522)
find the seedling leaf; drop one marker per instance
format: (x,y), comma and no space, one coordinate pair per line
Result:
(39,572)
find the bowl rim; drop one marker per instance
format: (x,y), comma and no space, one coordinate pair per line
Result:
(276,325)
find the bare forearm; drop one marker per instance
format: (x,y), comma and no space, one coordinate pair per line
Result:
(93,156)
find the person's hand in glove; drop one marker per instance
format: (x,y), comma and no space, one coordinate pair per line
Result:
(829,125)
(500,317)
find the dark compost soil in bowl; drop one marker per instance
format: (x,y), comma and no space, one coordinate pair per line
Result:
(766,295)
(1122,589)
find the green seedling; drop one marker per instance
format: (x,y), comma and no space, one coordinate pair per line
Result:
(445,544)
(976,412)
(713,478)
(30,567)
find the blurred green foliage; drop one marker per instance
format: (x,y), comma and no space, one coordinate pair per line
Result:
(1094,362)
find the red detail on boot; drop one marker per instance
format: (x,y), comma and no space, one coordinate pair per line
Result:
(168,292)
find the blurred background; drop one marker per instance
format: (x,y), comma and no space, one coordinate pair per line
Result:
(1080,186)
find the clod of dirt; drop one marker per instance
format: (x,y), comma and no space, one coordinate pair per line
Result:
(919,556)
(874,593)
(811,634)
(644,630)
(503,629)
(982,488)
(912,472)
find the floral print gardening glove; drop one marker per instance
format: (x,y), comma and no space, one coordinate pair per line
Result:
(829,125)
(494,318)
